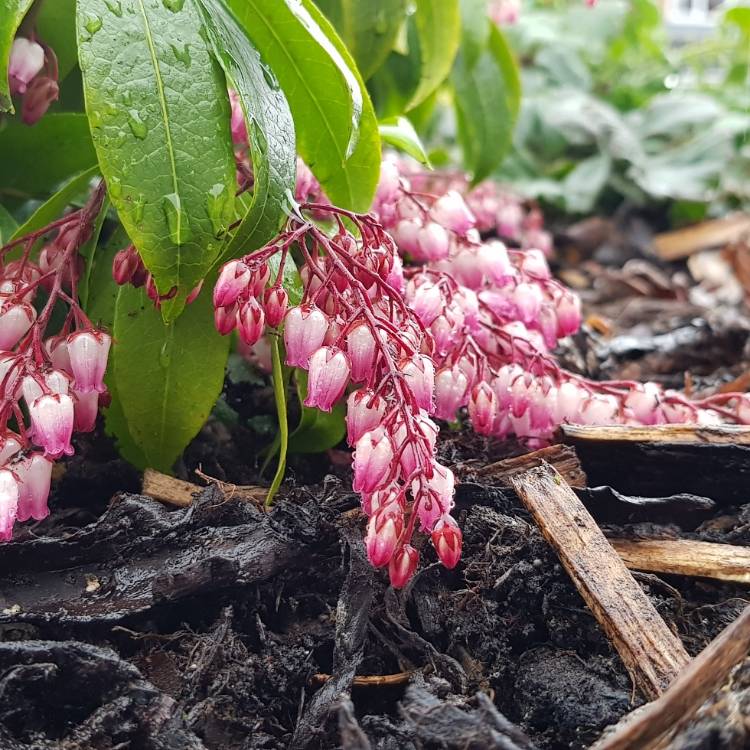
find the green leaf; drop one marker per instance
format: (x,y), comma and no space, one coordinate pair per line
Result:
(487,99)
(8,225)
(336,128)
(159,115)
(75,187)
(438,24)
(34,159)
(317,430)
(399,132)
(167,376)
(291,280)
(270,129)
(583,184)
(475,31)
(88,250)
(56,26)
(368,29)
(11,15)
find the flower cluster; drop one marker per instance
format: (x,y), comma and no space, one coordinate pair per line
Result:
(51,383)
(32,74)
(353,327)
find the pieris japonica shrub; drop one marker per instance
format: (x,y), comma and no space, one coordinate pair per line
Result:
(187,221)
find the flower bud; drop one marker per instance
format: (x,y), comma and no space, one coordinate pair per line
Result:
(482,408)
(419,374)
(403,566)
(383,532)
(10,444)
(361,346)
(451,387)
(433,242)
(88,351)
(568,308)
(26,60)
(427,302)
(405,234)
(37,99)
(373,456)
(251,321)
(15,321)
(275,303)
(327,377)
(225,319)
(364,412)
(434,496)
(447,540)
(194,292)
(304,330)
(494,262)
(238,125)
(234,278)
(125,265)
(451,211)
(85,410)
(600,409)
(35,476)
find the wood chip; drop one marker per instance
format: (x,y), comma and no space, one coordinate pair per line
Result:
(651,725)
(651,653)
(666,433)
(562,457)
(177,492)
(723,562)
(682,243)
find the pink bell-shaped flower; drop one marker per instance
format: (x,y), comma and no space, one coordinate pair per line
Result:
(251,321)
(427,302)
(42,91)
(10,444)
(433,242)
(364,412)
(8,504)
(447,540)
(88,351)
(57,349)
(15,321)
(383,532)
(451,211)
(402,566)
(361,346)
(482,408)
(304,330)
(35,476)
(451,387)
(275,303)
(233,280)
(327,378)
(434,496)
(85,410)
(373,456)
(52,423)
(419,374)
(26,60)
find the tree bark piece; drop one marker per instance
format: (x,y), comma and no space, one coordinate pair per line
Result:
(177,492)
(712,462)
(652,654)
(724,562)
(646,727)
(562,457)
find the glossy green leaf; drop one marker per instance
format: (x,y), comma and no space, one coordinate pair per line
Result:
(167,376)
(336,127)
(75,188)
(8,225)
(487,97)
(159,114)
(369,29)
(34,159)
(56,26)
(290,280)
(11,15)
(317,430)
(88,250)
(400,133)
(438,26)
(270,129)
(475,31)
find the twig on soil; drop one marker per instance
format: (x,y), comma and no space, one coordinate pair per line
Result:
(652,654)
(664,433)
(695,684)
(687,557)
(373,680)
(177,492)
(682,243)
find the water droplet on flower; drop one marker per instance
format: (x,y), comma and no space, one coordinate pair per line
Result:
(114,6)
(177,221)
(93,25)
(174,5)
(137,126)
(183,55)
(216,202)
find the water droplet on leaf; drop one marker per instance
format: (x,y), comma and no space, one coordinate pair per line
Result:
(138,205)
(177,221)
(137,126)
(115,187)
(215,204)
(174,5)
(183,55)
(93,25)
(165,355)
(114,6)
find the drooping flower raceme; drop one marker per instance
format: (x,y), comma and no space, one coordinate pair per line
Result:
(58,378)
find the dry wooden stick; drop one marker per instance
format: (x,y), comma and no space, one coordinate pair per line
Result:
(667,433)
(652,654)
(375,680)
(724,562)
(681,243)
(177,492)
(696,683)
(562,457)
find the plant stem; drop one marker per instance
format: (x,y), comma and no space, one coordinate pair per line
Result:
(279,391)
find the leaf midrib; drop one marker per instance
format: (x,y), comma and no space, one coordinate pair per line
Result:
(167,131)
